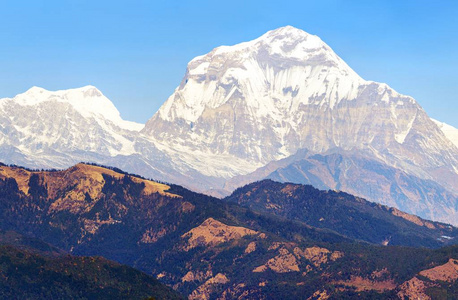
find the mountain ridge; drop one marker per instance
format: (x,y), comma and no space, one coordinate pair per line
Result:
(208,248)
(242,81)
(250,106)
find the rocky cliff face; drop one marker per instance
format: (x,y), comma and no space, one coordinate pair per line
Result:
(265,99)
(240,108)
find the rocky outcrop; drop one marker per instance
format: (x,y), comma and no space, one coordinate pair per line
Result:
(413,289)
(241,291)
(204,291)
(317,255)
(416,288)
(250,248)
(212,232)
(319,295)
(447,272)
(196,276)
(284,262)
(153,235)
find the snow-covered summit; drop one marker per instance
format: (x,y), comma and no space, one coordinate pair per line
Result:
(274,73)
(285,41)
(58,128)
(287,90)
(87,100)
(266,103)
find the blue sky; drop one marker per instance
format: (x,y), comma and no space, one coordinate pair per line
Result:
(136,52)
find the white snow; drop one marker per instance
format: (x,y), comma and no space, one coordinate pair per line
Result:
(289,86)
(88,101)
(261,81)
(401,136)
(201,69)
(90,123)
(251,104)
(449,131)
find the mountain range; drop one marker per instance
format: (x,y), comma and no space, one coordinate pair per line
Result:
(283,106)
(251,245)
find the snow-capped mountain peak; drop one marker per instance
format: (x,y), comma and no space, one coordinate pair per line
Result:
(292,42)
(283,97)
(64,126)
(87,100)
(265,99)
(274,74)
(285,41)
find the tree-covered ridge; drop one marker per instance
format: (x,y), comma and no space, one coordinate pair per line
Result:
(27,275)
(203,246)
(351,216)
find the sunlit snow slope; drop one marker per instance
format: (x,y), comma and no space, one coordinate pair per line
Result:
(241,107)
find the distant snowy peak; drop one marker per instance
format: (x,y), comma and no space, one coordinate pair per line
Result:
(275,73)
(286,41)
(449,131)
(88,101)
(265,99)
(59,128)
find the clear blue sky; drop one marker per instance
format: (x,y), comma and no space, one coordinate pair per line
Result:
(136,52)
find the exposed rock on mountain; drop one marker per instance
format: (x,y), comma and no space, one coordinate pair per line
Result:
(265,99)
(212,232)
(416,288)
(257,102)
(206,247)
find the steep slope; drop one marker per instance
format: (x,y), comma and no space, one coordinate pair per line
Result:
(202,246)
(59,128)
(358,173)
(440,282)
(242,107)
(450,132)
(351,216)
(265,99)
